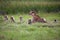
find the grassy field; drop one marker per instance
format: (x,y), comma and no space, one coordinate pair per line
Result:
(35,31)
(49,9)
(26,6)
(34,0)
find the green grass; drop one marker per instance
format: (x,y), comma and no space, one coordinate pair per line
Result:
(26,6)
(33,0)
(35,31)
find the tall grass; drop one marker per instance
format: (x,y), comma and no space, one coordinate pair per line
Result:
(17,6)
(32,0)
(35,31)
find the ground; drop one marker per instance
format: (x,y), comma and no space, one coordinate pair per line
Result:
(35,31)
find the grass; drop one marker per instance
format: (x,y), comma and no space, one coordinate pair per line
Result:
(35,31)
(33,0)
(26,6)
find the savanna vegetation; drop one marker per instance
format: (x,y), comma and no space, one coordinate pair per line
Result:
(49,9)
(26,6)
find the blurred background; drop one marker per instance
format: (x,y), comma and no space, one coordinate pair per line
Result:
(48,9)
(19,6)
